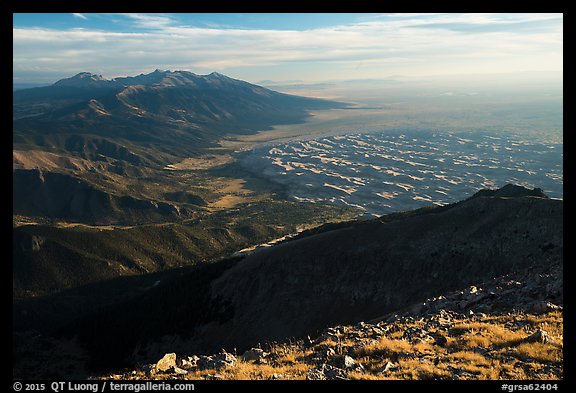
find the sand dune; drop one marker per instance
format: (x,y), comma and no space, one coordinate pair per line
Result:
(407,170)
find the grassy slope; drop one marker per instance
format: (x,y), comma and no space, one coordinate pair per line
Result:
(485,347)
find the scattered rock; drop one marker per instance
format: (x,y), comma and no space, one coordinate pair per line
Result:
(315,375)
(416,334)
(334,330)
(439,339)
(377,332)
(543,307)
(254,354)
(223,360)
(212,377)
(481,350)
(189,362)
(325,355)
(540,336)
(217,362)
(501,296)
(166,363)
(178,370)
(205,362)
(464,375)
(348,362)
(327,336)
(388,367)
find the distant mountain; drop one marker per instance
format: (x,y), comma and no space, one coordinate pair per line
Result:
(357,271)
(85,80)
(20,86)
(109,141)
(168,111)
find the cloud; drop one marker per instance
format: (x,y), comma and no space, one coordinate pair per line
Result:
(485,23)
(150,21)
(80,16)
(384,46)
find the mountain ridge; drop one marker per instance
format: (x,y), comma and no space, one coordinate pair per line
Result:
(509,327)
(110,141)
(342,276)
(164,111)
(89,80)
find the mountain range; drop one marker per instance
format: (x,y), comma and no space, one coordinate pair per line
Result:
(94,150)
(157,116)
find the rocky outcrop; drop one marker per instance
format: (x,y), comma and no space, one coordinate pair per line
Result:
(167,362)
(441,340)
(537,290)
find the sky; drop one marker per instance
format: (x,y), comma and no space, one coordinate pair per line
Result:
(285,47)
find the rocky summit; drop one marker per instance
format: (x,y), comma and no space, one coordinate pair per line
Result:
(506,328)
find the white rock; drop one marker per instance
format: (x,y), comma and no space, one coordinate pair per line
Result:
(179,371)
(167,362)
(349,362)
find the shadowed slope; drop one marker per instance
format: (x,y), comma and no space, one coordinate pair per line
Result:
(345,275)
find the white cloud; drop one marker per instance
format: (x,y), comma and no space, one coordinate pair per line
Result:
(80,16)
(150,21)
(383,46)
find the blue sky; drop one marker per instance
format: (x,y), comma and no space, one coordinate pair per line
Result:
(280,47)
(120,22)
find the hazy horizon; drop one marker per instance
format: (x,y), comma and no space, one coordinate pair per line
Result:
(309,48)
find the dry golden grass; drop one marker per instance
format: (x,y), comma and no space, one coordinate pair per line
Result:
(504,354)
(485,335)
(358,375)
(250,371)
(539,352)
(423,347)
(469,357)
(472,341)
(414,369)
(385,347)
